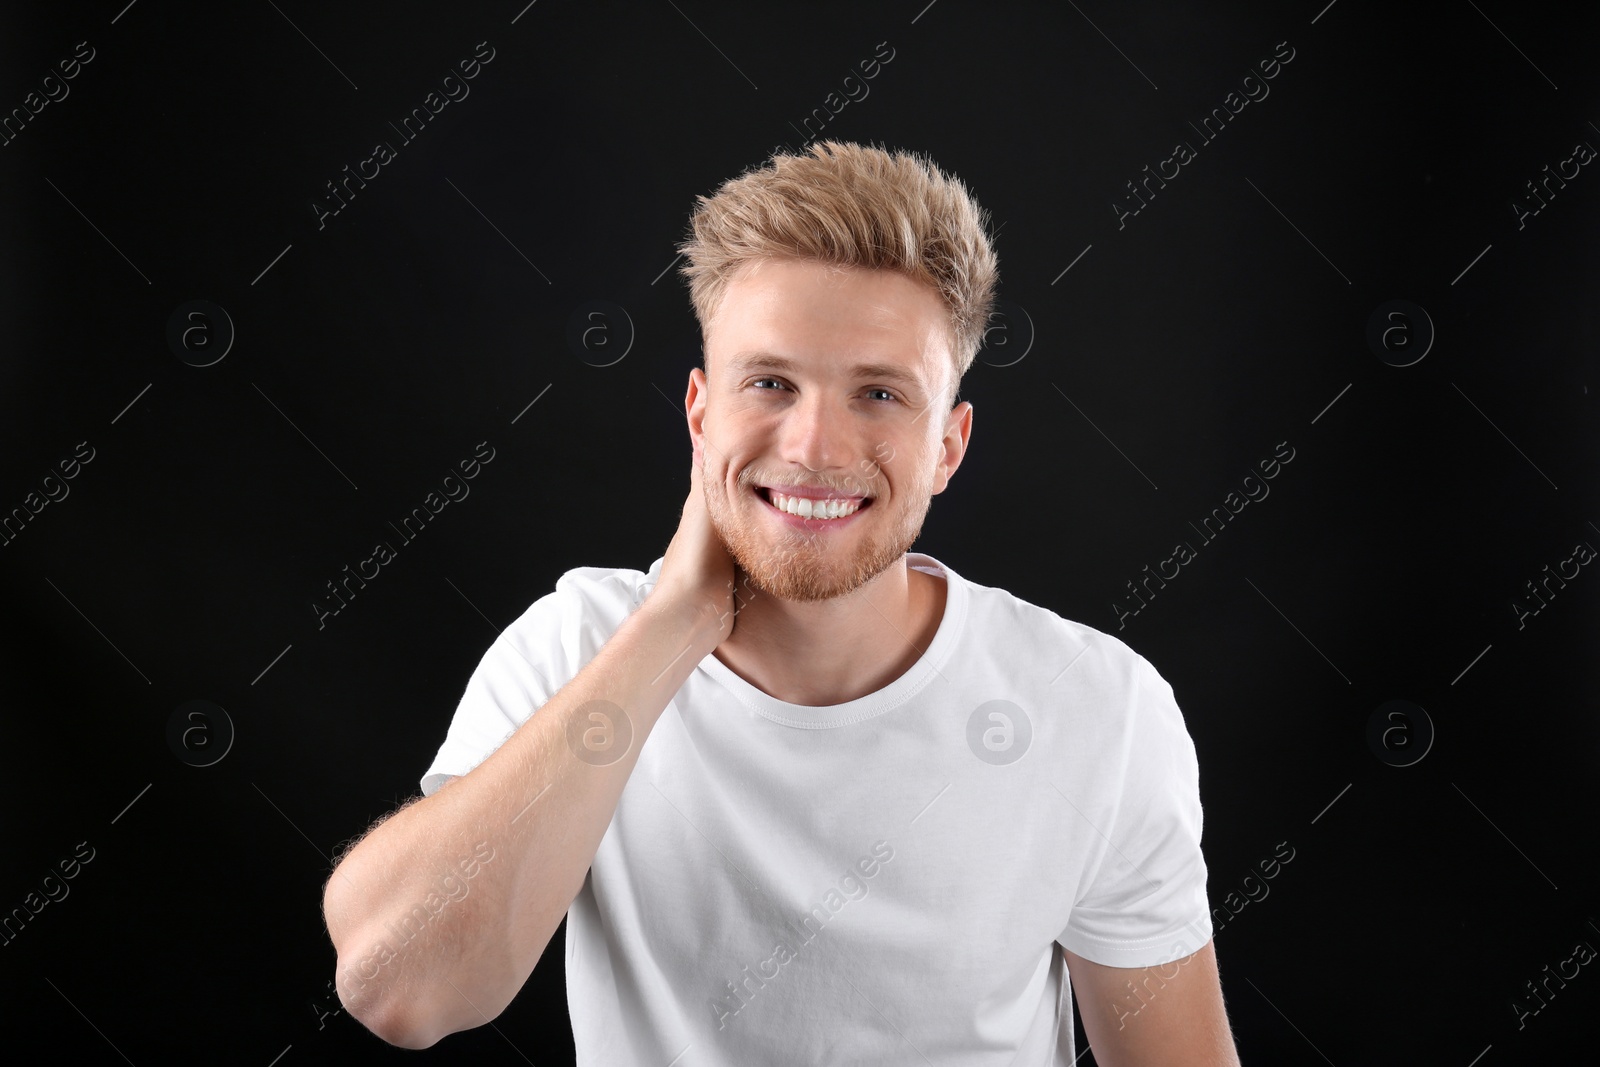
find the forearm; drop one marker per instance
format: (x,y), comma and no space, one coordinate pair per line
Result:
(431,942)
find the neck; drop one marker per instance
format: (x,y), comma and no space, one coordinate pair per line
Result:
(832,651)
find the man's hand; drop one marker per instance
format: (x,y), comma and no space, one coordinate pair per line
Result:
(539,801)
(697,569)
(1165,1015)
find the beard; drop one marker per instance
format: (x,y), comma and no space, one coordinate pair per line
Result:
(808,567)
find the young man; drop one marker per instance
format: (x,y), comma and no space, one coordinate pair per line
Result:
(806,797)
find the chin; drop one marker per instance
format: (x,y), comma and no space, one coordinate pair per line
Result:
(808,570)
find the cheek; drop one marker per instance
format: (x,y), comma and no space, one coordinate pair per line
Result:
(914,469)
(727,468)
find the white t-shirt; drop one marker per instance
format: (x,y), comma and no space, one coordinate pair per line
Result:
(885,881)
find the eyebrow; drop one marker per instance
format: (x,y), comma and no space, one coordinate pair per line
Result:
(749,361)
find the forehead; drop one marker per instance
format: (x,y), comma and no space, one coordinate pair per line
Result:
(820,315)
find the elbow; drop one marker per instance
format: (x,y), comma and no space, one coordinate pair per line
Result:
(377,988)
(399,990)
(401,1028)
(367,993)
(395,1020)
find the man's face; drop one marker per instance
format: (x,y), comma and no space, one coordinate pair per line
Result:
(824,383)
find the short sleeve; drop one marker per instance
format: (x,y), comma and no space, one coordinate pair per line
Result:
(1143,902)
(522,669)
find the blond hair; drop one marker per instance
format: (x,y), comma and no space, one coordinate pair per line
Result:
(850,205)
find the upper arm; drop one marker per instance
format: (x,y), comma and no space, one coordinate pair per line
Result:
(1171,1013)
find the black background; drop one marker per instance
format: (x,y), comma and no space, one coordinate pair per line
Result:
(1116,403)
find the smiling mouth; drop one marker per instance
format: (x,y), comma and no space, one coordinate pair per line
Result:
(806,508)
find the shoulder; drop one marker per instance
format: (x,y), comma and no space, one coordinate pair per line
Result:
(602,585)
(1024,632)
(587,604)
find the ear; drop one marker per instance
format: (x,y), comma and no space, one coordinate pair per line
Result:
(953,446)
(694,407)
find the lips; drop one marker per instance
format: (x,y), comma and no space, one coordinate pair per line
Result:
(816,509)
(811,492)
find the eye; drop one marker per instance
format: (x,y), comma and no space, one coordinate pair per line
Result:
(771,385)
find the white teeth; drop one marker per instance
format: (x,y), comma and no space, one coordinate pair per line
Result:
(806,508)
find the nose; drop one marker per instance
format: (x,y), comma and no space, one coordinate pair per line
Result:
(816,433)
